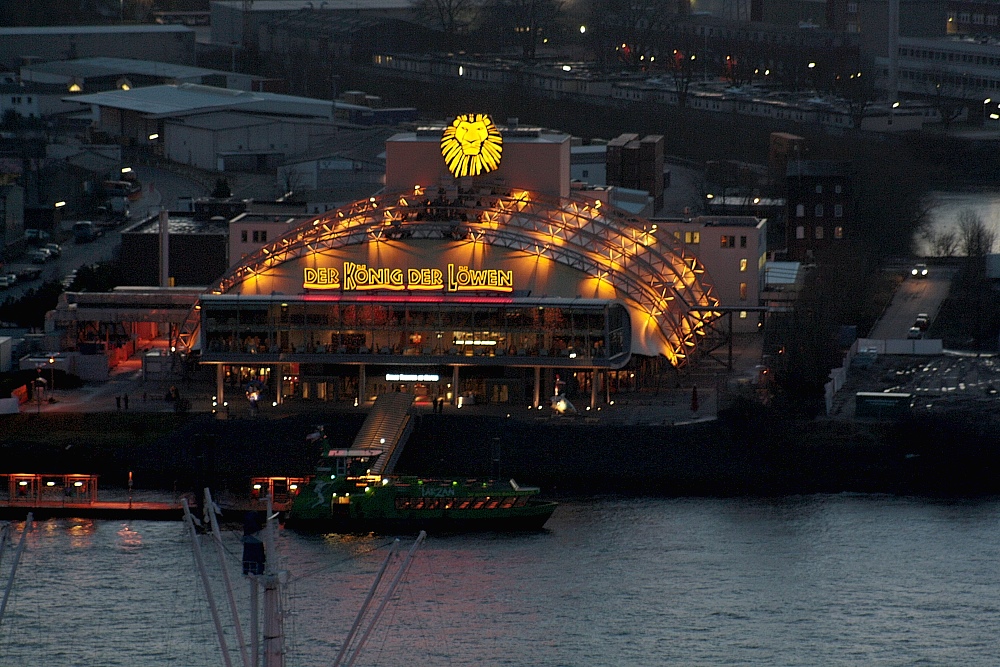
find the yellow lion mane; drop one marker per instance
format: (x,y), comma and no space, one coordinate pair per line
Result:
(471,145)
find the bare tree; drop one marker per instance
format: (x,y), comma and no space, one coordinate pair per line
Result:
(857,90)
(450,16)
(949,93)
(631,29)
(942,242)
(976,239)
(682,64)
(529,21)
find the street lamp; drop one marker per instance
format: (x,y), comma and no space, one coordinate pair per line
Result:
(52,376)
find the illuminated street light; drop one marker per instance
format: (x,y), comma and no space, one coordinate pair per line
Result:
(812,65)
(126,170)
(583,29)
(154,136)
(59,204)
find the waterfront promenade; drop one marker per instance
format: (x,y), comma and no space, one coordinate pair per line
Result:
(671,403)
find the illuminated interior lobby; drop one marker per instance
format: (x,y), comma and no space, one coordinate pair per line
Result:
(476,274)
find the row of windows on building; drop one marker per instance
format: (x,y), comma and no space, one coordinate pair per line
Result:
(819,232)
(818,211)
(259,236)
(951,56)
(725,240)
(17,99)
(974,19)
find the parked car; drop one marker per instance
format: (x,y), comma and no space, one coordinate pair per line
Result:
(914,333)
(919,271)
(11,279)
(5,282)
(39,256)
(922,321)
(54,249)
(36,236)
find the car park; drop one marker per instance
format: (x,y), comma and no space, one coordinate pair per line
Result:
(919,271)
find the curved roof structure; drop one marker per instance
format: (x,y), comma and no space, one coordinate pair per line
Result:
(651,272)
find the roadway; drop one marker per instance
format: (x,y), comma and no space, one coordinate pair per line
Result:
(914,296)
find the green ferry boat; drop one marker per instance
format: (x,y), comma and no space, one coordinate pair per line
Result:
(344,496)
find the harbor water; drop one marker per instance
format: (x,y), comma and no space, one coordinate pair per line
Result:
(809,580)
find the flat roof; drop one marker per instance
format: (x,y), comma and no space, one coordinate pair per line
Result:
(104,66)
(460,299)
(727,220)
(432,133)
(225,120)
(315,5)
(93,29)
(170,99)
(180,225)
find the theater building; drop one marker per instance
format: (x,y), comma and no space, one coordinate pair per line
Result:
(476,274)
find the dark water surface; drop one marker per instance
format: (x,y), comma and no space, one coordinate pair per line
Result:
(814,580)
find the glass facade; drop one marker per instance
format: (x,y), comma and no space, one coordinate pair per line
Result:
(517,331)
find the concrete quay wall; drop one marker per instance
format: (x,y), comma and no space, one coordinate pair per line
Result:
(723,458)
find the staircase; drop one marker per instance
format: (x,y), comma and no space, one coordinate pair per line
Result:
(387,428)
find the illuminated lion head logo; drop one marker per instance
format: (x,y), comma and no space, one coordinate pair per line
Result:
(471,145)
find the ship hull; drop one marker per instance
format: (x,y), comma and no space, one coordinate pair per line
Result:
(529,518)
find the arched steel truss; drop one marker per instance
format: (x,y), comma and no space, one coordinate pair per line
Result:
(652,270)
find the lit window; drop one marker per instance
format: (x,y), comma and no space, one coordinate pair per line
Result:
(819,232)
(743,264)
(800,211)
(838,232)
(743,314)
(692,238)
(743,291)
(819,210)
(800,232)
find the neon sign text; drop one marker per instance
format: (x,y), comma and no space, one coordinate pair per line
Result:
(360,277)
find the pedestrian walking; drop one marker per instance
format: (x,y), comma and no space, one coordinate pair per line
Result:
(118,402)
(125,400)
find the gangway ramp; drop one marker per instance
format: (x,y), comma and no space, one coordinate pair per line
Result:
(387,427)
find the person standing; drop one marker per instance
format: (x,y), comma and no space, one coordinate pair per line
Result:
(125,400)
